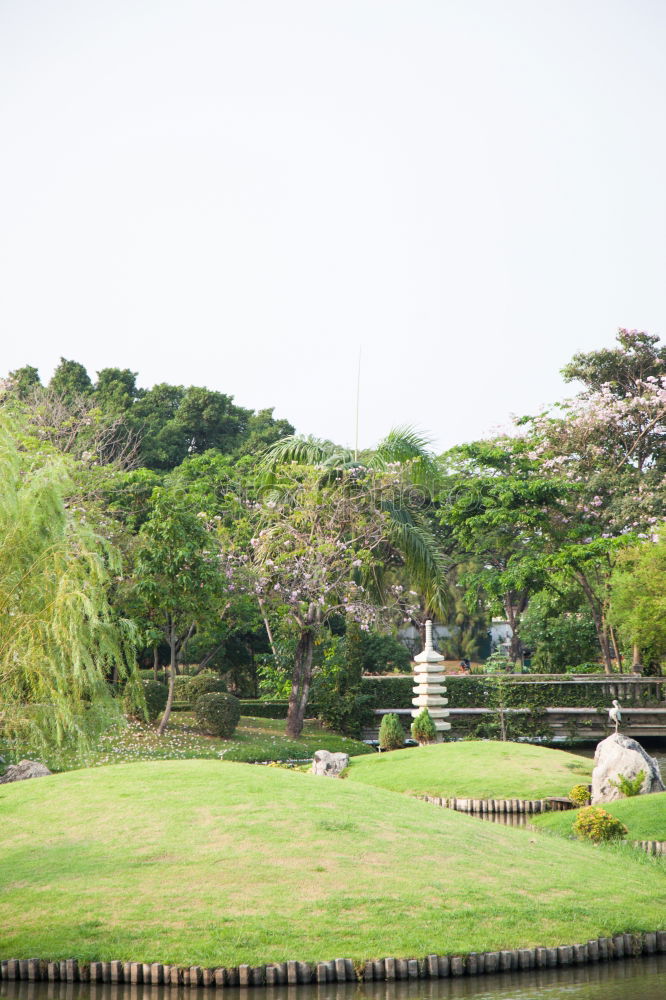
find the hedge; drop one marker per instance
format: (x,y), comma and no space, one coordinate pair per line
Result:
(518,692)
(272,709)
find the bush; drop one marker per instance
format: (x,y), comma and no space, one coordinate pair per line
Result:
(217,713)
(629,786)
(155,697)
(598,825)
(579,795)
(204,683)
(423,728)
(181,688)
(391,733)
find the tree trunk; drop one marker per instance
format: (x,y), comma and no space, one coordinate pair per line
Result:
(164,721)
(300,684)
(155,662)
(513,611)
(636,666)
(616,648)
(596,608)
(269,633)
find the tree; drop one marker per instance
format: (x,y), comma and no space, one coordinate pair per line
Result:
(116,389)
(177,574)
(496,506)
(317,553)
(23,381)
(60,641)
(638,598)
(70,380)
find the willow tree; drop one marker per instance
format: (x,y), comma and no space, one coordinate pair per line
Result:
(59,638)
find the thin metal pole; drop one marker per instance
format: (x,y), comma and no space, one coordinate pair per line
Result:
(358,396)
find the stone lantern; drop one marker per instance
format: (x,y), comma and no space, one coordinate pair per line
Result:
(429,685)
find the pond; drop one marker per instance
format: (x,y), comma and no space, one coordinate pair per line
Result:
(641,978)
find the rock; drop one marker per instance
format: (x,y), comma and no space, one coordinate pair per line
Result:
(329,764)
(619,755)
(24,769)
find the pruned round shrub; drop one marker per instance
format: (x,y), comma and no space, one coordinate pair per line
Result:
(391,733)
(423,728)
(155,696)
(596,824)
(217,713)
(204,683)
(579,795)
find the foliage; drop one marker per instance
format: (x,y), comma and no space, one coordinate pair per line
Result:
(497,662)
(337,685)
(383,654)
(391,733)
(559,630)
(60,640)
(177,577)
(521,692)
(638,597)
(598,825)
(423,728)
(217,713)
(152,703)
(629,786)
(204,683)
(579,795)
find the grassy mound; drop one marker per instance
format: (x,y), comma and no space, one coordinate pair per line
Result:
(643,815)
(211,863)
(476,770)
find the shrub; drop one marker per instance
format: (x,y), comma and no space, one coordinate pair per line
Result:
(629,786)
(181,688)
(204,683)
(579,795)
(598,825)
(155,698)
(423,728)
(217,713)
(391,733)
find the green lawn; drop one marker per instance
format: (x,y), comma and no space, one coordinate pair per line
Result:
(474,769)
(211,863)
(643,815)
(254,740)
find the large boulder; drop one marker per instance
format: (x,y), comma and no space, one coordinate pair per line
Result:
(620,755)
(23,770)
(328,764)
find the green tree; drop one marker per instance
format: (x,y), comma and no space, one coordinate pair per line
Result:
(69,380)
(60,641)
(23,381)
(638,598)
(177,574)
(116,389)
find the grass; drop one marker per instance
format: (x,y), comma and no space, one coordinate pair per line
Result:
(474,769)
(211,863)
(643,815)
(254,740)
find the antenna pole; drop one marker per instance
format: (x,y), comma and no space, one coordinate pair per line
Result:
(358,396)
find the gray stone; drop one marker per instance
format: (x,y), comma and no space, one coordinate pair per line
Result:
(620,755)
(23,770)
(329,765)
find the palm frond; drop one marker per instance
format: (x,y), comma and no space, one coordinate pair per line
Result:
(412,538)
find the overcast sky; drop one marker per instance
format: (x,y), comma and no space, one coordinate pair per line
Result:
(245,193)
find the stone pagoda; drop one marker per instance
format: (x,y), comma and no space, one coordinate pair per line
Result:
(429,685)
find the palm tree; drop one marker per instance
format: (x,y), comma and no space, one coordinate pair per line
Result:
(412,530)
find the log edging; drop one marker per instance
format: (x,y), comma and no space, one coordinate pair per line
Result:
(500,806)
(339,970)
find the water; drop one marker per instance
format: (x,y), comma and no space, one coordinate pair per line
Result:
(632,979)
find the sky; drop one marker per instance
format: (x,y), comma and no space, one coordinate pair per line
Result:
(251,194)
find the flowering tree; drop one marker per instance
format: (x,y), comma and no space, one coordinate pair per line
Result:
(318,552)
